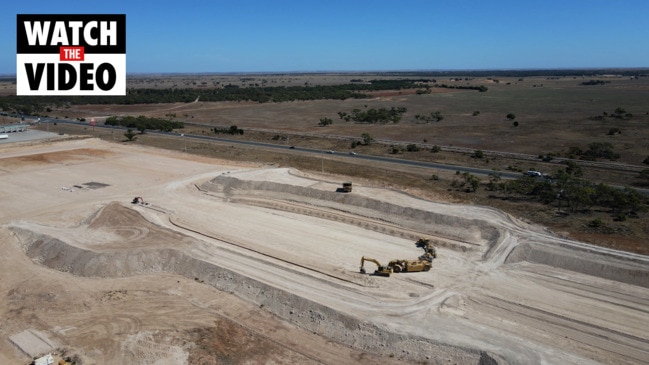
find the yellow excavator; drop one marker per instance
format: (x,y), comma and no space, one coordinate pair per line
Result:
(423,263)
(380,270)
(397,266)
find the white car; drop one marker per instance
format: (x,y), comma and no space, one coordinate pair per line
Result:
(534,173)
(330,151)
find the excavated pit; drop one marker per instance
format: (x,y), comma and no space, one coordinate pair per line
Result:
(116,262)
(453,227)
(458,228)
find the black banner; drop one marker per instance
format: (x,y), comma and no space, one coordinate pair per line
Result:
(47,33)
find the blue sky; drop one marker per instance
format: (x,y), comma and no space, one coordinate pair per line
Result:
(360,35)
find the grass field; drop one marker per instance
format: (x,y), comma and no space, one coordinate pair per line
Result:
(553,115)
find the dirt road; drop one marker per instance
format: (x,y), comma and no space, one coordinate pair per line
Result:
(233,263)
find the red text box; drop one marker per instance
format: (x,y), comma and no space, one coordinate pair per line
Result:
(71,53)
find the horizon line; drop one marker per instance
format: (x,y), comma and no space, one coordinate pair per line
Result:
(5,75)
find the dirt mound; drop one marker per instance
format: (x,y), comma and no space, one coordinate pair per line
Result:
(115,215)
(133,229)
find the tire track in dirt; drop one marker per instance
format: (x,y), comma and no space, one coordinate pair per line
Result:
(609,295)
(627,348)
(365,223)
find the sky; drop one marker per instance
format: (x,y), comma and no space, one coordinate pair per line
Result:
(215,36)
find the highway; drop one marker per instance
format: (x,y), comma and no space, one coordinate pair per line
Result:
(305,150)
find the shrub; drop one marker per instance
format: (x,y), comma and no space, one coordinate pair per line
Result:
(596,223)
(412,148)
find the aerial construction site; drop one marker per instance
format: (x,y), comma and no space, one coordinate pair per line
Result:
(124,254)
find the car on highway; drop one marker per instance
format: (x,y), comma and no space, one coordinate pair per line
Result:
(330,151)
(534,173)
(352,153)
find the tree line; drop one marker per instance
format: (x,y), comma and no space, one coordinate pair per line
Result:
(373,115)
(143,123)
(573,193)
(34,105)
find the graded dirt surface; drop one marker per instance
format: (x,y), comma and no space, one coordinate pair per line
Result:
(242,264)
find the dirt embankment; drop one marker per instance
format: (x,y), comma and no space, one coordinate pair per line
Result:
(625,270)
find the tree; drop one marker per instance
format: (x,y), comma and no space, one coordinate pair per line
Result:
(600,150)
(511,116)
(515,123)
(573,169)
(646,161)
(471,180)
(367,139)
(325,122)
(130,135)
(478,154)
